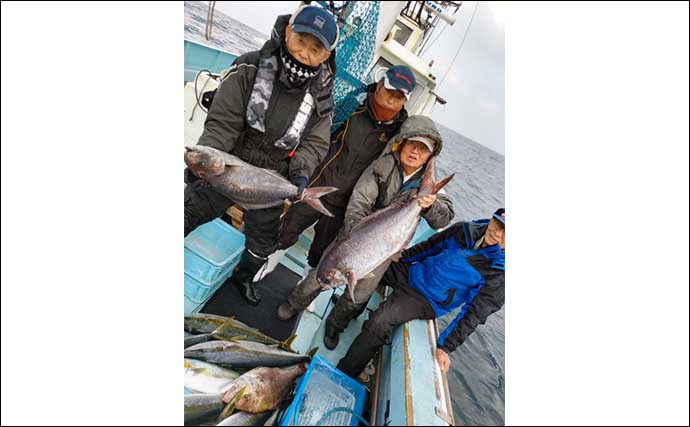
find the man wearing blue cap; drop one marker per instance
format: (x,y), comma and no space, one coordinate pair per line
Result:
(462,266)
(274,110)
(354,146)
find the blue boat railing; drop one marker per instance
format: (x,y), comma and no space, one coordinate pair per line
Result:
(201,57)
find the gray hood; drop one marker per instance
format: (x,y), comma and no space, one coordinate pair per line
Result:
(416,126)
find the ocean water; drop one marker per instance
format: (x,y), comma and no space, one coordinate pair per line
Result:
(477,377)
(227,34)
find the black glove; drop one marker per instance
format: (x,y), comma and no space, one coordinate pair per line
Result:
(301,183)
(194,182)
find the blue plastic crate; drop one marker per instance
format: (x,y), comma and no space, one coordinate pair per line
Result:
(199,291)
(321,389)
(212,251)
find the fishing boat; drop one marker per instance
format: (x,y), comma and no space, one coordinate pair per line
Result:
(404,381)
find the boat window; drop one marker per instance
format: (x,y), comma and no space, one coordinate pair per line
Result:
(402,34)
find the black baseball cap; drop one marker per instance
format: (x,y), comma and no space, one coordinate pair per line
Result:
(318,22)
(400,78)
(500,215)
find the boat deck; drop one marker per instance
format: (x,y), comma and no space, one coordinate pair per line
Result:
(275,288)
(228,301)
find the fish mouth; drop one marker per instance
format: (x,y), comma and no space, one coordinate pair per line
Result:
(188,149)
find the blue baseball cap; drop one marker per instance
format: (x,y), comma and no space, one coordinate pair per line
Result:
(319,23)
(400,78)
(500,215)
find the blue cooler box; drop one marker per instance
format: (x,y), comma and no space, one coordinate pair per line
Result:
(212,251)
(323,388)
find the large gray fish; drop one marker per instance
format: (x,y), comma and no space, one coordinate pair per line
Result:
(246,419)
(233,328)
(243,354)
(197,339)
(263,388)
(201,323)
(375,239)
(250,186)
(205,377)
(204,408)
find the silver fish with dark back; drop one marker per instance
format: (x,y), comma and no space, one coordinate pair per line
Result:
(246,419)
(243,354)
(375,239)
(201,323)
(204,408)
(234,329)
(250,186)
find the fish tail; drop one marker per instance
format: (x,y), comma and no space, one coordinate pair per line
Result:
(285,345)
(442,183)
(428,186)
(231,405)
(312,195)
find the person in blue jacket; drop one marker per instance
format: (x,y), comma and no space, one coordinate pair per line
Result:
(462,266)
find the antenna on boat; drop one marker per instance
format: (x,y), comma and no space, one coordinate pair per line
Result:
(209,19)
(440,11)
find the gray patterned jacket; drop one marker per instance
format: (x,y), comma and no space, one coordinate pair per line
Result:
(226,128)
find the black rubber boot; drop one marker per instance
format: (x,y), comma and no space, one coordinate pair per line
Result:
(243,277)
(331,337)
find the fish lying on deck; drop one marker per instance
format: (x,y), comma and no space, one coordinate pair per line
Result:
(264,388)
(243,354)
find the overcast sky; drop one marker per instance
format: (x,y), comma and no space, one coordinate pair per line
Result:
(474,87)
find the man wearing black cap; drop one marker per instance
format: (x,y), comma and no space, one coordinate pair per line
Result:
(274,110)
(462,266)
(354,146)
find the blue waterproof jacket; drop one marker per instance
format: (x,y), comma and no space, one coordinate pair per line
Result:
(450,273)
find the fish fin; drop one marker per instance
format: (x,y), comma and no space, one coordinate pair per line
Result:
(311,197)
(351,282)
(220,330)
(231,405)
(236,338)
(442,183)
(313,352)
(285,345)
(229,339)
(428,186)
